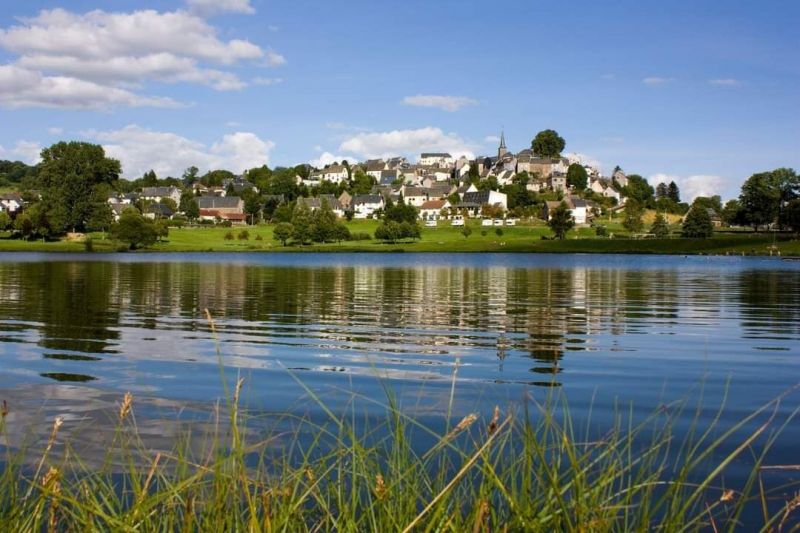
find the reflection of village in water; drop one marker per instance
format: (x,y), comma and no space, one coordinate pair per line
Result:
(72,320)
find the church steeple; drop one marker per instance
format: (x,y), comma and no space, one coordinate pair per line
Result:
(501,151)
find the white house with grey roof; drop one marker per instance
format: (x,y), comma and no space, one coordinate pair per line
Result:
(438,159)
(364,205)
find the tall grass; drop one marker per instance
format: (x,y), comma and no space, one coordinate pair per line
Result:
(532,468)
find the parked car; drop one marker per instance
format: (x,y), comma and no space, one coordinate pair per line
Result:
(498,222)
(486,222)
(430,223)
(511,222)
(458,220)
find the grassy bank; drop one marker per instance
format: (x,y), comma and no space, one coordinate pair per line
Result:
(523,238)
(535,469)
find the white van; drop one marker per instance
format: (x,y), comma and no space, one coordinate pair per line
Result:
(430,223)
(486,222)
(498,222)
(458,220)
(511,222)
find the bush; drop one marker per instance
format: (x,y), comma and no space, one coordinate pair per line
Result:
(228,235)
(283,232)
(259,238)
(88,245)
(243,235)
(484,233)
(134,230)
(466,231)
(697,224)
(360,236)
(499,232)
(601,231)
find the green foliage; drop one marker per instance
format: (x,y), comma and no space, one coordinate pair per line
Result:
(5,221)
(601,231)
(68,176)
(149,179)
(192,209)
(243,235)
(302,223)
(561,221)
(638,190)
(548,144)
(401,212)
(190,175)
(162,229)
(673,192)
(393,231)
(228,236)
(283,232)
(733,214)
(323,223)
(24,225)
(466,231)
(765,194)
(660,228)
(341,232)
(282,213)
(577,176)
(283,182)
(498,232)
(633,213)
(697,224)
(253,203)
(134,230)
(791,215)
(216,177)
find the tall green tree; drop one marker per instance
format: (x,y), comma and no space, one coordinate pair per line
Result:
(792,215)
(301,222)
(760,199)
(662,191)
(150,179)
(660,228)
(323,223)
(68,175)
(362,183)
(577,177)
(548,144)
(632,220)
(561,220)
(638,190)
(283,232)
(134,230)
(673,192)
(697,224)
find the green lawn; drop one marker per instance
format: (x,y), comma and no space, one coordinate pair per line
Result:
(445,238)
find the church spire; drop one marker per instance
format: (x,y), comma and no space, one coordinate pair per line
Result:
(501,151)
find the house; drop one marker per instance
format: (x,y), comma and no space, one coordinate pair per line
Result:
(437,159)
(315,203)
(10,202)
(345,200)
(474,201)
(374,167)
(578,208)
(558,182)
(439,192)
(157,194)
(396,162)
(415,196)
(158,211)
(335,174)
(432,209)
(224,207)
(364,205)
(118,208)
(389,177)
(620,177)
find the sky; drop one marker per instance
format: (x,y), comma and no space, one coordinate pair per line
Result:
(704,93)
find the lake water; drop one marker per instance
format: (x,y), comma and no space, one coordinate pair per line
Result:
(78,331)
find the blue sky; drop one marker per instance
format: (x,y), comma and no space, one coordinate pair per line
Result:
(705,93)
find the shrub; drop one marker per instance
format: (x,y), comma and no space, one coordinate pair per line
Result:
(360,236)
(601,231)
(466,231)
(243,235)
(228,235)
(499,232)
(259,238)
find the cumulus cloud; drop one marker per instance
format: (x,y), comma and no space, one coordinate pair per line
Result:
(140,149)
(327,158)
(445,103)
(692,186)
(266,81)
(583,159)
(25,88)
(406,142)
(26,151)
(213,7)
(61,52)
(656,80)
(725,82)
(491,139)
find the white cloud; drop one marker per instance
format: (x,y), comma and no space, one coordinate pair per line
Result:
(212,7)
(445,103)
(266,81)
(140,149)
(491,139)
(122,51)
(55,130)
(656,80)
(326,158)
(725,82)
(583,159)
(28,152)
(25,88)
(692,186)
(406,142)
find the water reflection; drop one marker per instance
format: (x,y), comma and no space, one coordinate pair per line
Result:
(142,324)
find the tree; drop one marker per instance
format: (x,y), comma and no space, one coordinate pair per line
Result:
(732,214)
(283,232)
(252,204)
(660,228)
(190,175)
(134,229)
(301,222)
(577,177)
(150,179)
(101,217)
(697,224)
(341,232)
(323,223)
(192,209)
(466,231)
(673,193)
(638,190)
(24,225)
(68,175)
(389,231)
(5,220)
(662,191)
(561,220)
(792,215)
(633,217)
(400,212)
(362,183)
(162,229)
(548,144)
(760,200)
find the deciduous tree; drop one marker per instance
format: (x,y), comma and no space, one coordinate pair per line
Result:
(561,220)
(548,144)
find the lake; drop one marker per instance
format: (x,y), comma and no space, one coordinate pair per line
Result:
(78,331)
